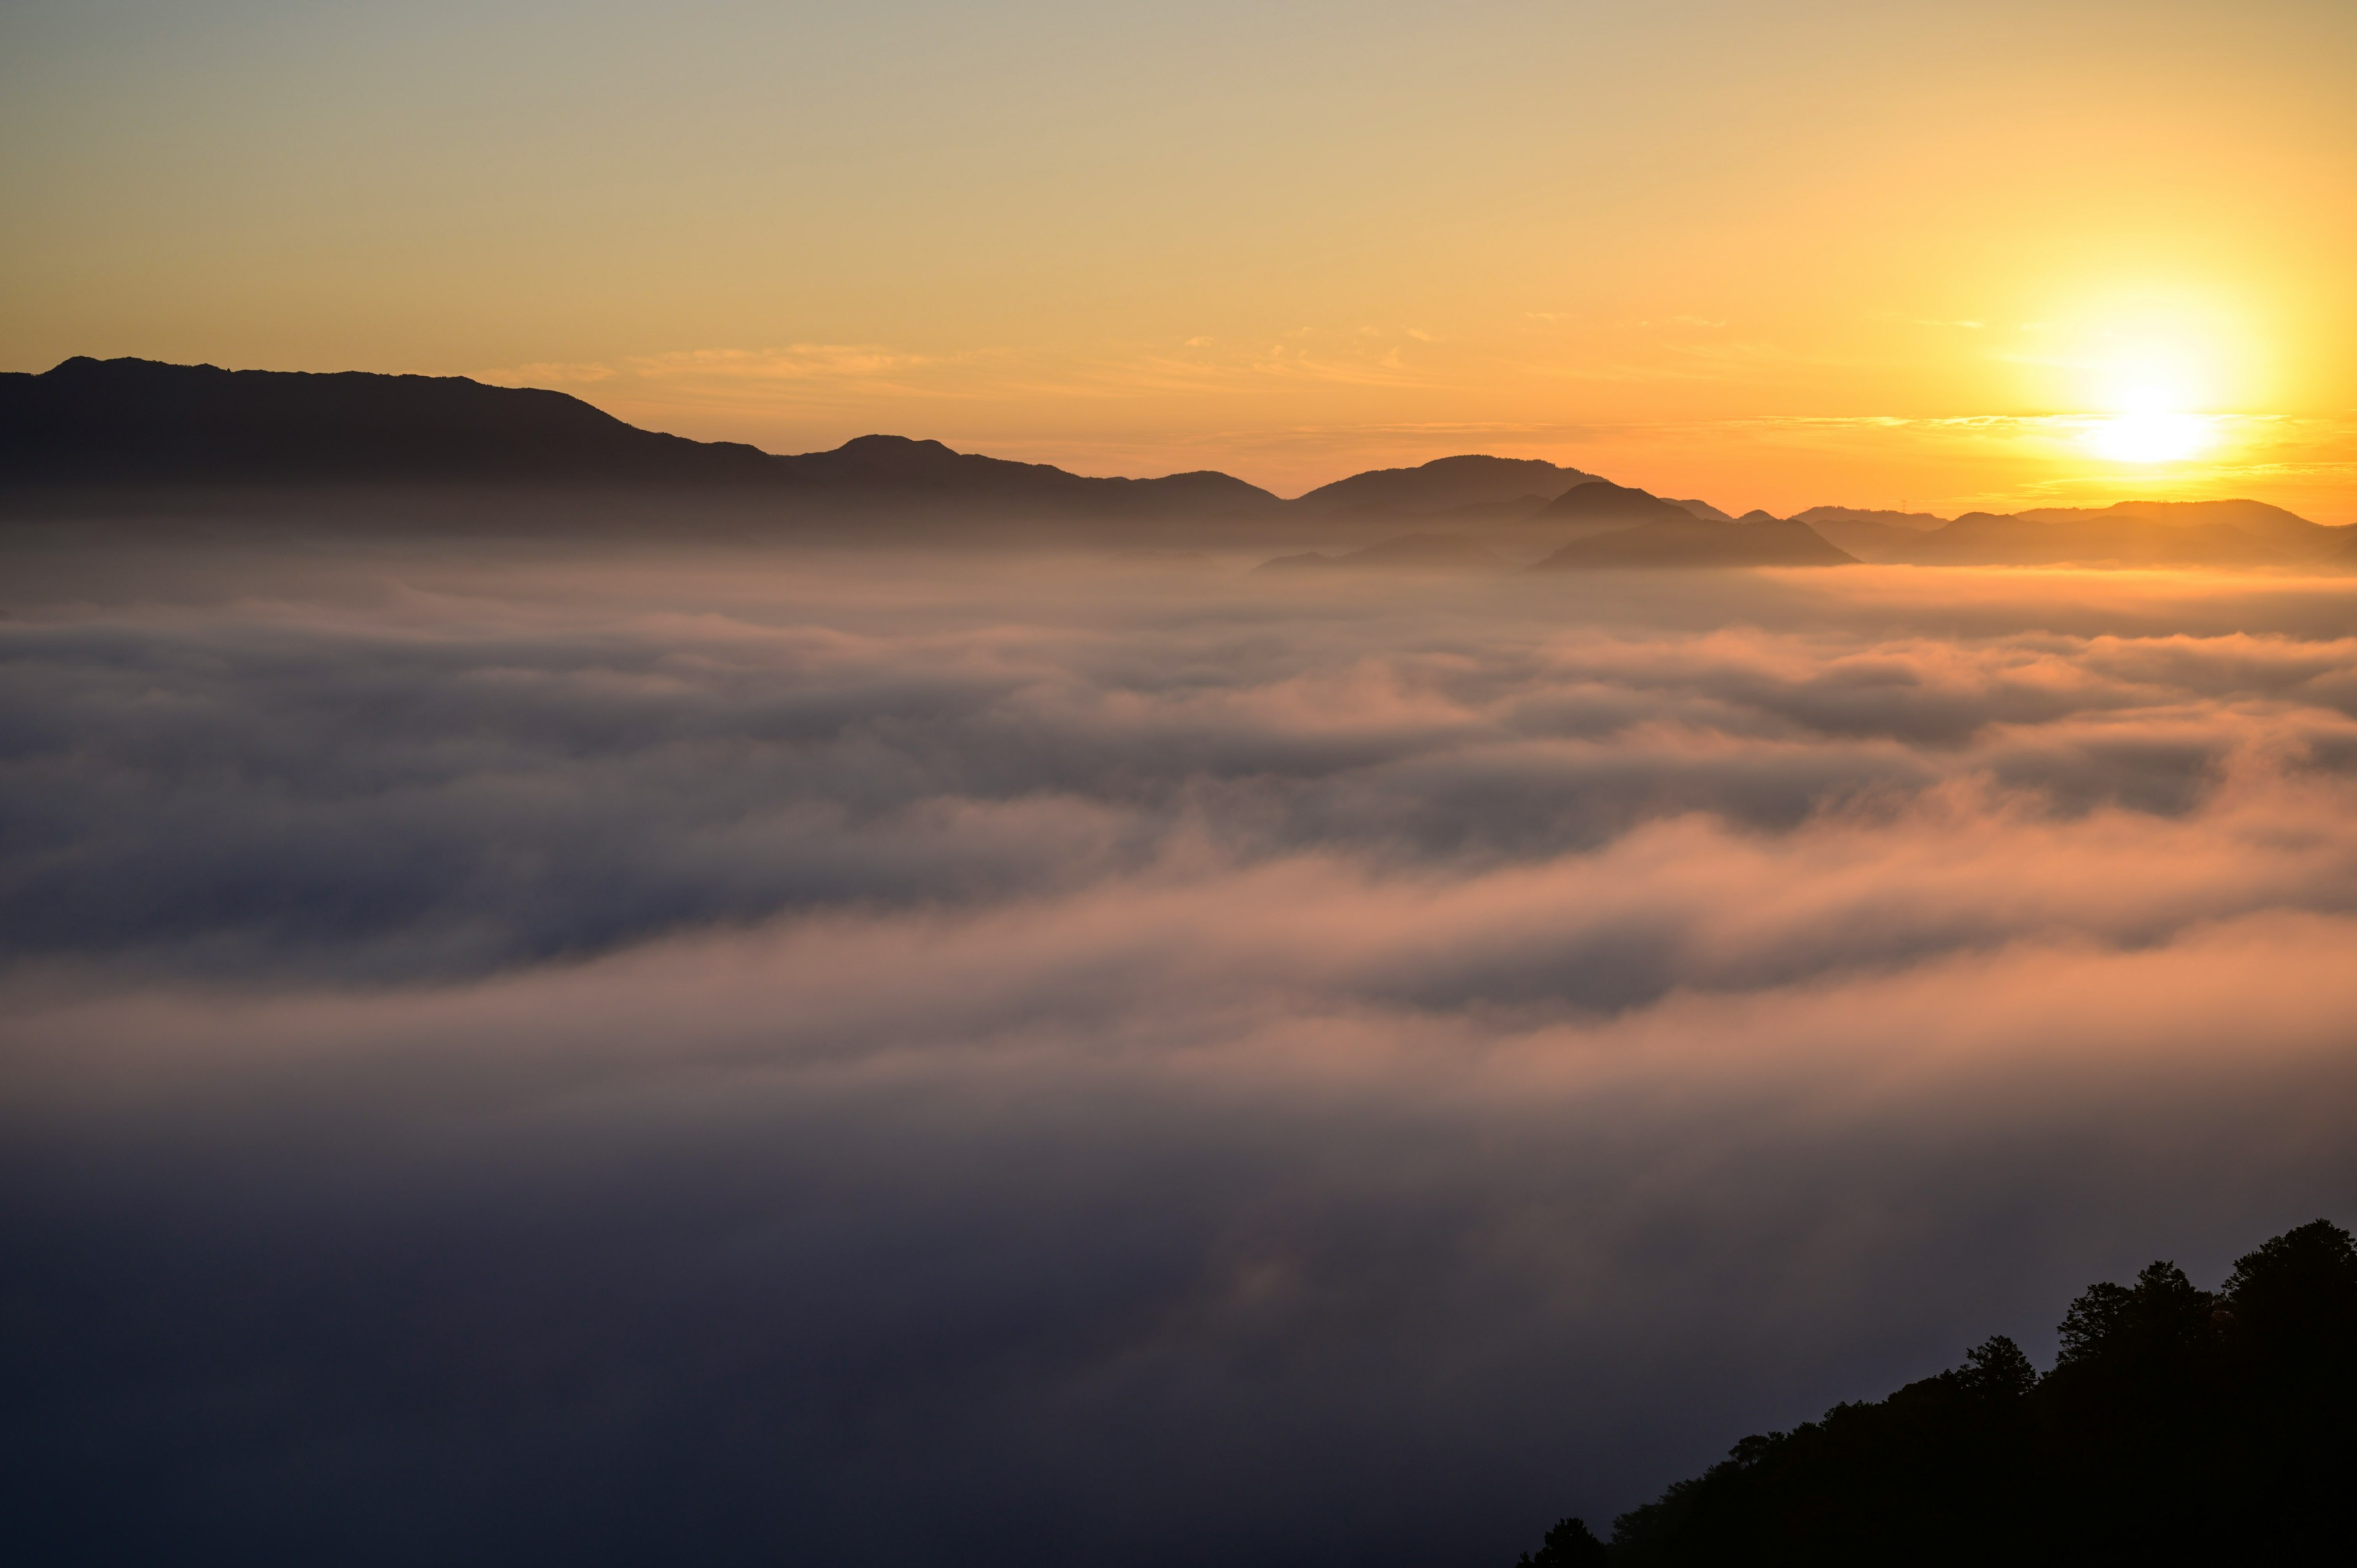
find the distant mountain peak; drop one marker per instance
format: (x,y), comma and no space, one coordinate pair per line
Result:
(1701,509)
(1600,499)
(893,445)
(1921,521)
(185,430)
(1443,484)
(2269,525)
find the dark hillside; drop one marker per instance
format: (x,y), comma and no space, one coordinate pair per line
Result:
(138,422)
(1602,501)
(1992,539)
(2178,1425)
(89,425)
(1688,540)
(1443,484)
(2271,525)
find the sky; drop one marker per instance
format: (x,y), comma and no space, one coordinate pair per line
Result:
(1811,253)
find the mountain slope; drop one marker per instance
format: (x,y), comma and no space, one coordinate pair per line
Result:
(1443,484)
(1919,522)
(392,448)
(1702,510)
(1689,540)
(1868,539)
(1601,501)
(2135,533)
(136,422)
(1997,539)
(2178,1425)
(2270,525)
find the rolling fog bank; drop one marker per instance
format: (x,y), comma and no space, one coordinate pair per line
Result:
(598,1053)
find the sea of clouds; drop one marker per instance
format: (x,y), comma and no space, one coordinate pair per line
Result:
(514,1054)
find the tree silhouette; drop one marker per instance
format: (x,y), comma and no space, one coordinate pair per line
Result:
(2176,1426)
(1570,1544)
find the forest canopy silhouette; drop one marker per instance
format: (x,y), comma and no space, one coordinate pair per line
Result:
(2176,1426)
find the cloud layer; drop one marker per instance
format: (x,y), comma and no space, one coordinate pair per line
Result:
(869,1059)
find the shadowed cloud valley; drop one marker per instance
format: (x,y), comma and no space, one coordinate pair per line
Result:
(1058,1055)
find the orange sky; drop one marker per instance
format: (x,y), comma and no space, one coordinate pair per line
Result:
(1768,255)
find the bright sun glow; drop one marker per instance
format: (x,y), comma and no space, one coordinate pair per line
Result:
(2147,377)
(2152,435)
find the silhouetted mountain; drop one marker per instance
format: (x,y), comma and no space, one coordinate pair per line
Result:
(1704,511)
(1441,484)
(1875,541)
(1683,540)
(397,448)
(1409,551)
(2177,1426)
(1921,522)
(1474,515)
(1602,503)
(134,422)
(2271,525)
(139,421)
(1998,539)
(1871,535)
(895,470)
(2229,532)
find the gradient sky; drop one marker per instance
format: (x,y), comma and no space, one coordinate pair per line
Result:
(1770,255)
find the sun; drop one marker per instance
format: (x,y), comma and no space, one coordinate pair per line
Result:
(2151,435)
(2150,422)
(2151,381)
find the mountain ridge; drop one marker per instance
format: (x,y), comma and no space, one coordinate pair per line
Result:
(139,421)
(1687,539)
(1444,484)
(141,427)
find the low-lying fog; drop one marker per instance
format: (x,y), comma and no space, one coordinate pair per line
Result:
(725,1058)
